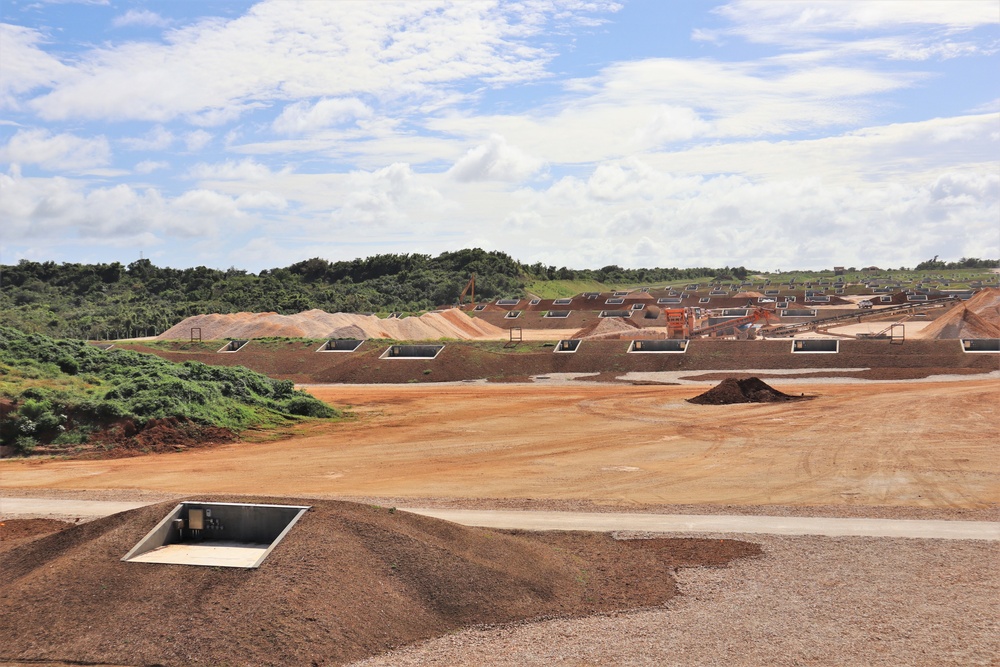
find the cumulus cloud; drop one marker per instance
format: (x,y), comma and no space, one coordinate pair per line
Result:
(385,197)
(305,117)
(25,65)
(157,139)
(495,160)
(247,169)
(197,140)
(56,151)
(140,17)
(149,166)
(296,51)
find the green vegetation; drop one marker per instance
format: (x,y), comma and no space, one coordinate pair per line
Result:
(59,391)
(111,301)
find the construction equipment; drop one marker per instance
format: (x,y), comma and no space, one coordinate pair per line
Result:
(753,316)
(681,322)
(470,289)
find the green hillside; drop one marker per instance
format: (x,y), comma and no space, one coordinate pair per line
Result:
(64,393)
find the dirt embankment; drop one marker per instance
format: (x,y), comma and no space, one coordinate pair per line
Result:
(979,317)
(348,581)
(321,324)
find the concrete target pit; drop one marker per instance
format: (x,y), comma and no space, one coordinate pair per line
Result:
(216,534)
(412,352)
(981,345)
(567,346)
(334,345)
(669,346)
(233,346)
(816,346)
(560,314)
(615,313)
(512,314)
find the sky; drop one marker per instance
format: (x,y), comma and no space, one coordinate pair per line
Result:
(771,134)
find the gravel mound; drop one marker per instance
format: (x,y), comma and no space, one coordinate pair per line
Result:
(347,582)
(750,390)
(979,317)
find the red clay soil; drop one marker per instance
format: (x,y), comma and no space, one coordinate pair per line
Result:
(348,581)
(749,390)
(126,438)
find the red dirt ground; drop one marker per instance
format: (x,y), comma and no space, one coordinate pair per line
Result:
(348,581)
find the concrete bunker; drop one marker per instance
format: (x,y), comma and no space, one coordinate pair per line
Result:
(216,534)
(340,345)
(568,345)
(233,346)
(669,346)
(412,352)
(558,313)
(512,314)
(615,313)
(980,345)
(816,345)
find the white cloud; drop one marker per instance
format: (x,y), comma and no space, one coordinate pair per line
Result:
(385,198)
(304,117)
(157,139)
(296,51)
(772,18)
(922,29)
(197,140)
(56,152)
(495,160)
(244,170)
(140,17)
(25,65)
(149,166)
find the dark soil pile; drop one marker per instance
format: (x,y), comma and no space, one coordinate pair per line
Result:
(16,531)
(348,581)
(125,438)
(749,390)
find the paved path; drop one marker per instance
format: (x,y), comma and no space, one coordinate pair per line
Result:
(597,521)
(719,523)
(11,508)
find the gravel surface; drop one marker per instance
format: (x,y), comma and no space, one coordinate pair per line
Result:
(808,601)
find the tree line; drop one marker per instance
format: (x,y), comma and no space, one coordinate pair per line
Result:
(99,301)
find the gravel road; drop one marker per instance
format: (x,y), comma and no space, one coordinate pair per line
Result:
(808,601)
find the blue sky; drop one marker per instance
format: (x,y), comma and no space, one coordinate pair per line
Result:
(767,133)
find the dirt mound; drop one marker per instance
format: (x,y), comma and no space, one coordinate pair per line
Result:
(321,324)
(16,531)
(979,317)
(750,390)
(348,581)
(608,327)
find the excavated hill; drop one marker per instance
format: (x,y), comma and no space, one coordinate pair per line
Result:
(348,581)
(750,390)
(979,317)
(321,324)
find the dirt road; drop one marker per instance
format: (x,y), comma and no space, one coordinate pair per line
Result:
(921,444)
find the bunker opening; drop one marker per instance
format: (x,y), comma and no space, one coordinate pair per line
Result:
(412,352)
(216,534)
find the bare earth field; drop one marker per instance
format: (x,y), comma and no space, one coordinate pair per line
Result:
(922,449)
(918,445)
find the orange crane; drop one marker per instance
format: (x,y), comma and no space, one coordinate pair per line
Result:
(470,288)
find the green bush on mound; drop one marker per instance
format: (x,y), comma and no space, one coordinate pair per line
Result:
(60,390)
